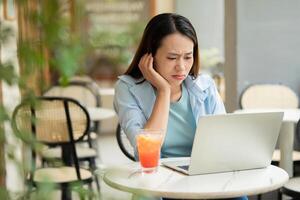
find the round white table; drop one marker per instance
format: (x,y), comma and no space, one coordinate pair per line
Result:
(290,115)
(106,91)
(286,136)
(172,184)
(98,113)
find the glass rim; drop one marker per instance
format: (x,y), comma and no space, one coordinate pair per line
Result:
(150,130)
(153,132)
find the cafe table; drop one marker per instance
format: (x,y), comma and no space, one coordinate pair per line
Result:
(106,91)
(286,135)
(168,183)
(98,113)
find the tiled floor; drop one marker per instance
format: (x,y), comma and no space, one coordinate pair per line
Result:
(110,155)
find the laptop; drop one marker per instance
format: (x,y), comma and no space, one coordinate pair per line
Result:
(230,142)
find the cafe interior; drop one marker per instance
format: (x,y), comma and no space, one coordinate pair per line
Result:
(60,136)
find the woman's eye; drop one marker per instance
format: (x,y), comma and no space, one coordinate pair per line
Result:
(171,58)
(187,58)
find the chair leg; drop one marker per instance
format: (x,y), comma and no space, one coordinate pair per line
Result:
(93,168)
(97,183)
(66,193)
(44,162)
(279,195)
(90,195)
(29,190)
(259,197)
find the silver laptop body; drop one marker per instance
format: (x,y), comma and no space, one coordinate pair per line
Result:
(231,142)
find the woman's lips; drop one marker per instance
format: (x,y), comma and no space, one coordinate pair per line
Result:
(179,77)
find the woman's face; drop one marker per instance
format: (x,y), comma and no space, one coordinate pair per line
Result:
(174,58)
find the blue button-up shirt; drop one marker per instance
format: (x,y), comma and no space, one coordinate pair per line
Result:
(134,102)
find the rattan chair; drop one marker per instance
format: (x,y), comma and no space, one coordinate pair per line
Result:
(84,92)
(82,78)
(93,87)
(87,96)
(124,143)
(264,96)
(55,121)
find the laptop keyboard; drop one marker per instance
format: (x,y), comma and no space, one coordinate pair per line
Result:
(185,167)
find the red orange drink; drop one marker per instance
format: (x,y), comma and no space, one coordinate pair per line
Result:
(148,145)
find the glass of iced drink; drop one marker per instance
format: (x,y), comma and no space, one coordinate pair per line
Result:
(148,145)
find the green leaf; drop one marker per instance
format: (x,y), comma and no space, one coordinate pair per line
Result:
(6,33)
(3,114)
(7,73)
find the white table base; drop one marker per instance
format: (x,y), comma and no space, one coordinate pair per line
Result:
(286,145)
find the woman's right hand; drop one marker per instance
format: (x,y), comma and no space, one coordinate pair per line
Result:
(149,73)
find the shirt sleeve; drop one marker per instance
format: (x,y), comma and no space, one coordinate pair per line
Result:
(131,117)
(216,102)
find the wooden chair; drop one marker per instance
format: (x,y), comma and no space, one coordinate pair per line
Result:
(124,144)
(55,121)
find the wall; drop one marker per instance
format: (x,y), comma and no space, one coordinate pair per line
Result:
(207,16)
(273,54)
(163,6)
(267,44)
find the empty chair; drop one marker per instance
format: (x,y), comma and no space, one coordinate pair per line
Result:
(270,96)
(54,121)
(82,92)
(82,78)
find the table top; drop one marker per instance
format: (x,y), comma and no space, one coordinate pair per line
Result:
(106,91)
(98,113)
(171,184)
(290,115)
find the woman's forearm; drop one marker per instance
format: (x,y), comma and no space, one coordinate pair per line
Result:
(160,113)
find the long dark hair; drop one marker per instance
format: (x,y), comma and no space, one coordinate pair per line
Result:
(156,30)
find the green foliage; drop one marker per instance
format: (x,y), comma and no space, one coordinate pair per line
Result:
(7,72)
(66,51)
(4,194)
(3,114)
(6,33)
(118,46)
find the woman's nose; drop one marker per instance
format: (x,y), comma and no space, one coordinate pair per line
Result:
(180,64)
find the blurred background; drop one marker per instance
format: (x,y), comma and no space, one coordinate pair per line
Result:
(242,43)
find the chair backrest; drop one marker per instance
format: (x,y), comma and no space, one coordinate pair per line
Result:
(83,92)
(268,96)
(88,82)
(124,143)
(82,78)
(52,120)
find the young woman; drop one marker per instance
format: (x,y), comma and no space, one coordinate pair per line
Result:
(162,88)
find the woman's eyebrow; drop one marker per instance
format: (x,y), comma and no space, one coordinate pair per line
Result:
(176,54)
